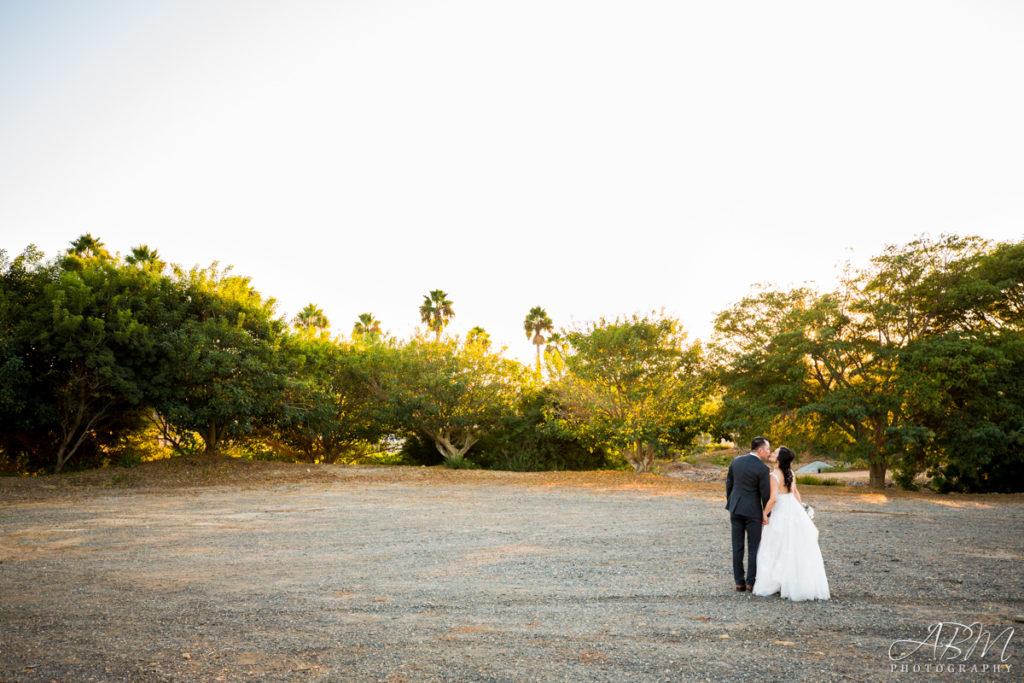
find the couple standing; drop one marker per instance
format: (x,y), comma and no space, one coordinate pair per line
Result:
(787,552)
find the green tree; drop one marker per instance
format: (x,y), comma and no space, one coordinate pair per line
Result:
(833,368)
(27,416)
(223,377)
(536,324)
(479,336)
(554,356)
(366,325)
(326,409)
(311,320)
(628,385)
(83,341)
(436,311)
(449,392)
(88,247)
(144,257)
(969,404)
(525,440)
(969,377)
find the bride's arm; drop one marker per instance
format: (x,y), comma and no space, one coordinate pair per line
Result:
(771,499)
(796,491)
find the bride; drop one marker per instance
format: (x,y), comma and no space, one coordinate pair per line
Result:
(789,560)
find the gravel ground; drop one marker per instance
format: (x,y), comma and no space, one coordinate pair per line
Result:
(481,576)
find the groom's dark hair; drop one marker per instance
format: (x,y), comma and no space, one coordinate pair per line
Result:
(757,443)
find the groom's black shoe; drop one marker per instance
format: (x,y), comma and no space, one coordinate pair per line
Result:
(740,587)
(750,588)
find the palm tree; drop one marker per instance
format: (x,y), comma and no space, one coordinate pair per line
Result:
(311,319)
(537,322)
(555,342)
(145,258)
(436,311)
(88,246)
(479,337)
(366,324)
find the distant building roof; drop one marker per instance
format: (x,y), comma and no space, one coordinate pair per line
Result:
(814,467)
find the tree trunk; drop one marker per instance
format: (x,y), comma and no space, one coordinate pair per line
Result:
(640,456)
(630,453)
(444,445)
(67,449)
(876,472)
(210,438)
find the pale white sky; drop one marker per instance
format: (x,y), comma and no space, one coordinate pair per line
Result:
(596,158)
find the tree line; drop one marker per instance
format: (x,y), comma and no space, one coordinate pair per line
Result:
(913,364)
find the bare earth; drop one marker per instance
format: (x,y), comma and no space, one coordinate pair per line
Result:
(234,571)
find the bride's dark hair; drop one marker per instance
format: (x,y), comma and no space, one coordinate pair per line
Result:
(785,460)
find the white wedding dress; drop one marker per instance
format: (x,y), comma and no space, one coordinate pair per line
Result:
(788,560)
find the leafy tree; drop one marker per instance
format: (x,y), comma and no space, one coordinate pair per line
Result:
(969,378)
(628,384)
(1000,288)
(436,311)
(366,325)
(27,418)
(763,383)
(451,393)
(326,410)
(536,324)
(94,345)
(809,371)
(83,341)
(970,405)
(223,377)
(833,368)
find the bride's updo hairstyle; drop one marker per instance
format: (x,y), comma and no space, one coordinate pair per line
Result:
(785,461)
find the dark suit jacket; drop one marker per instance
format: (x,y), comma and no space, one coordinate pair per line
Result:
(746,487)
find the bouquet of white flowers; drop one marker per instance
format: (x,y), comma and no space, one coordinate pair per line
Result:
(809,509)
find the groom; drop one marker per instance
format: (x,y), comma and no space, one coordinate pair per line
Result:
(747,491)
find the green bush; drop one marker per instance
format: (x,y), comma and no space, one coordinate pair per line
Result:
(380,457)
(724,460)
(419,450)
(905,478)
(129,459)
(460,464)
(259,451)
(808,480)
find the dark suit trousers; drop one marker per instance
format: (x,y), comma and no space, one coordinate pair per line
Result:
(749,527)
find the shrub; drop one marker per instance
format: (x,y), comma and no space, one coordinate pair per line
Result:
(129,459)
(418,450)
(808,480)
(462,463)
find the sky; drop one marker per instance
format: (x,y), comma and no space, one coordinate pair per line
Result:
(596,158)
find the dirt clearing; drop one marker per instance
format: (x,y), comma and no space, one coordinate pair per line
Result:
(289,572)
